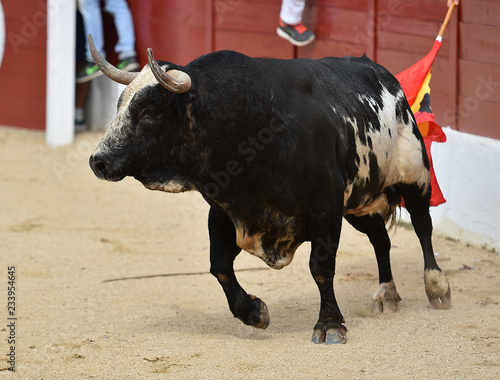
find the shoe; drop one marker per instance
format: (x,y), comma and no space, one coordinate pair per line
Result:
(298,35)
(129,64)
(89,71)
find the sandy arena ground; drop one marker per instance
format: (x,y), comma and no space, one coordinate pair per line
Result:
(112,282)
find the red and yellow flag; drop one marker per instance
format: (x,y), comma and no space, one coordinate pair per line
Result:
(415,82)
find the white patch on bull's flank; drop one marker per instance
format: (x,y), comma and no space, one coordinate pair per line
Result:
(398,153)
(407,165)
(383,142)
(378,205)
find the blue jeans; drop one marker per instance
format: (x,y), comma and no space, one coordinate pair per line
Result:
(91,13)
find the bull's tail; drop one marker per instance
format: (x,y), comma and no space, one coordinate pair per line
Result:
(393,210)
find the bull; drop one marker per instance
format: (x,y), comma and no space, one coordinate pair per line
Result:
(282,151)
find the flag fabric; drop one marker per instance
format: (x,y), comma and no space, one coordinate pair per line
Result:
(415,82)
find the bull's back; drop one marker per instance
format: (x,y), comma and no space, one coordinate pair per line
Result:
(348,114)
(365,118)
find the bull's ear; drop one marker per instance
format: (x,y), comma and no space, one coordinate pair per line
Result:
(120,76)
(173,80)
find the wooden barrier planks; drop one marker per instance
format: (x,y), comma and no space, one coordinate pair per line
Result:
(24,66)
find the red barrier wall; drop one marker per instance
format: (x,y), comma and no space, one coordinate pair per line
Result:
(23,70)
(396,33)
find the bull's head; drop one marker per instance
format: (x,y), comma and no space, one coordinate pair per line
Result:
(146,125)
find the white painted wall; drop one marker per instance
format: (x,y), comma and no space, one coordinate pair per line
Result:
(101,104)
(60,106)
(468,171)
(60,92)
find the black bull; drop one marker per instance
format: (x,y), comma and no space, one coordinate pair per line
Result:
(282,150)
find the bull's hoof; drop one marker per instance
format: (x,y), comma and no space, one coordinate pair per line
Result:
(437,289)
(253,313)
(386,298)
(329,332)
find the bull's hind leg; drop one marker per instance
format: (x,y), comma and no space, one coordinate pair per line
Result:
(386,298)
(223,250)
(437,287)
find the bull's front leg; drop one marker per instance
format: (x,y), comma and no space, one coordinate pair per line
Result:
(329,328)
(223,250)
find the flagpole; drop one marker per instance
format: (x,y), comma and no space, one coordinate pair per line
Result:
(446,21)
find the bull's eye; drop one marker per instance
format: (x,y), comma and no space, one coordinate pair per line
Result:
(150,113)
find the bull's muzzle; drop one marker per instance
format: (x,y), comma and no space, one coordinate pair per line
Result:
(100,167)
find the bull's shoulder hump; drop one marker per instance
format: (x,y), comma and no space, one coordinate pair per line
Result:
(360,69)
(221,60)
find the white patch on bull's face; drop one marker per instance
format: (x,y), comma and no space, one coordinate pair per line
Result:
(144,79)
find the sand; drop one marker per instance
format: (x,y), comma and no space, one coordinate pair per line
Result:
(112,282)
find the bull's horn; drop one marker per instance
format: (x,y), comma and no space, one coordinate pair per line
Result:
(173,80)
(120,76)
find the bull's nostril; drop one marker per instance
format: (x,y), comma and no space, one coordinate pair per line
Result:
(98,166)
